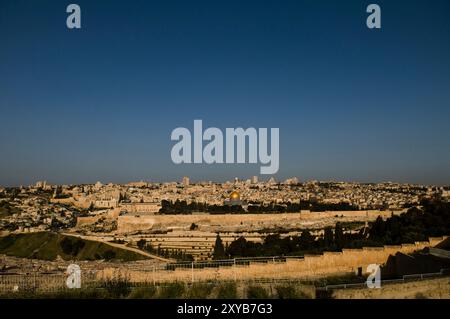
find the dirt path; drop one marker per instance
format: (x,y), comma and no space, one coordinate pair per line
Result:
(120,246)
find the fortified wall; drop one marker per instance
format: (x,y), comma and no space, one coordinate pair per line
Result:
(133,223)
(111,215)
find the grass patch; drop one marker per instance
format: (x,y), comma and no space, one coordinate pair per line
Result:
(227,291)
(199,291)
(143,293)
(117,287)
(257,292)
(290,292)
(61,294)
(172,291)
(48,245)
(286,292)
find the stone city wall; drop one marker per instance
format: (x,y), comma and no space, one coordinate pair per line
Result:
(111,214)
(129,223)
(82,203)
(140,207)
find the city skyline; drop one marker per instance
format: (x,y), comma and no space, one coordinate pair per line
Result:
(99,103)
(260,179)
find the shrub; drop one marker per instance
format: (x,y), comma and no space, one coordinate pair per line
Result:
(199,291)
(257,292)
(286,292)
(117,287)
(148,292)
(141,243)
(71,246)
(172,291)
(66,246)
(61,294)
(109,254)
(227,291)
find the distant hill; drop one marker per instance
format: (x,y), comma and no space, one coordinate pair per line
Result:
(48,245)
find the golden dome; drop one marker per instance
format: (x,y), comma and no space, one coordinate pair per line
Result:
(234,196)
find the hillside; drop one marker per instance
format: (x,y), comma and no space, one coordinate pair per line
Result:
(47,246)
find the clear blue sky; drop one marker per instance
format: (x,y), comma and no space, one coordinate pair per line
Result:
(100,103)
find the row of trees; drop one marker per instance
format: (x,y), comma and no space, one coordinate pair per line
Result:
(178,254)
(417,224)
(303,205)
(433,219)
(182,207)
(274,245)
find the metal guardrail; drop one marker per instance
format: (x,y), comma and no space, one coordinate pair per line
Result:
(9,281)
(405,278)
(243,261)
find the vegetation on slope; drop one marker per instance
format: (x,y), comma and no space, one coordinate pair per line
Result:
(123,289)
(47,246)
(417,224)
(182,207)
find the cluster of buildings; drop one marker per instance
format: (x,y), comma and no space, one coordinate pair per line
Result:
(29,212)
(362,196)
(43,206)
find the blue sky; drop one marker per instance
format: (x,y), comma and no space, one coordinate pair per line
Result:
(100,103)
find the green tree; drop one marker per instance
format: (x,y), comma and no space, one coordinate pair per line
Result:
(306,240)
(219,249)
(141,243)
(328,237)
(377,231)
(339,236)
(109,255)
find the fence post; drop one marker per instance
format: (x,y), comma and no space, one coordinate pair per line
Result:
(154,278)
(192,270)
(234,268)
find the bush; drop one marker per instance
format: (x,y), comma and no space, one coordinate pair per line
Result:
(62,294)
(71,246)
(257,292)
(199,291)
(109,254)
(141,243)
(286,292)
(227,291)
(117,287)
(143,293)
(324,294)
(172,291)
